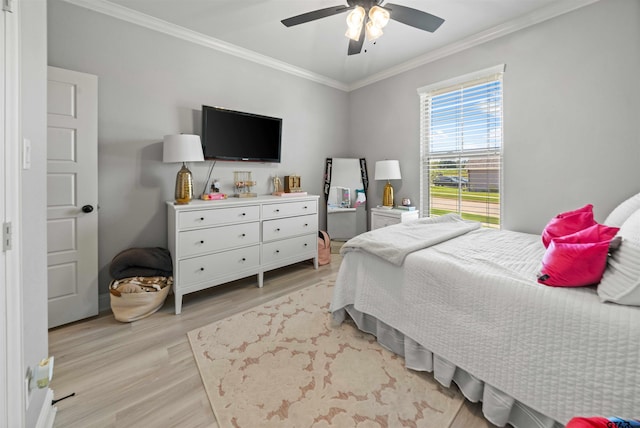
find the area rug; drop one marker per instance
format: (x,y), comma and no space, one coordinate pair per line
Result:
(282,364)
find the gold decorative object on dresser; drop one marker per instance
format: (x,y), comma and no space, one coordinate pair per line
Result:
(277,185)
(214,242)
(292,184)
(182,148)
(242,183)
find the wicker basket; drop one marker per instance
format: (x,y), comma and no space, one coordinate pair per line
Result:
(138,297)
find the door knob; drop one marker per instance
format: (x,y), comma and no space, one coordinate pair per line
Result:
(87,208)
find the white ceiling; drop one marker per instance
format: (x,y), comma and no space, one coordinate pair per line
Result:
(318,49)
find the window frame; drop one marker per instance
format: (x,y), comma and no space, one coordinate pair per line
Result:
(425,93)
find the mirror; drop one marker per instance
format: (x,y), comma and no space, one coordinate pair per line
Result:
(345,193)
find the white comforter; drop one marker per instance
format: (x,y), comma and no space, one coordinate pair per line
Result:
(396,242)
(474,301)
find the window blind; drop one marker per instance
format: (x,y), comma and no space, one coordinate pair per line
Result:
(461,148)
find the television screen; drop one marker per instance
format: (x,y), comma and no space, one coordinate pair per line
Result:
(234,135)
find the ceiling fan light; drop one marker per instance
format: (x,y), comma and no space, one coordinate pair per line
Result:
(356,17)
(379,16)
(354,33)
(373,31)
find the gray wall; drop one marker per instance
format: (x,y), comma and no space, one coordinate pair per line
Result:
(33,35)
(571,114)
(151,84)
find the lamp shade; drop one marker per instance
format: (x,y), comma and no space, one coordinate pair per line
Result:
(182,148)
(388,170)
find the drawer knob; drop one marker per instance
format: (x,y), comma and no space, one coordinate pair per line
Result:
(278,230)
(244,259)
(304,208)
(201,218)
(201,269)
(202,242)
(305,244)
(277,211)
(277,251)
(243,235)
(306,224)
(244,214)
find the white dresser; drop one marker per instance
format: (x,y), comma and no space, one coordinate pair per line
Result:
(382,217)
(214,242)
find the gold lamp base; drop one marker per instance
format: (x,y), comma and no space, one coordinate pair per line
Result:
(387,196)
(184,186)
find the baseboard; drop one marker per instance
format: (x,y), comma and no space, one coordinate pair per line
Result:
(47,412)
(104,302)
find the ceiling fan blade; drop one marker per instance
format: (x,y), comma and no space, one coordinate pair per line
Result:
(356,47)
(414,17)
(316,14)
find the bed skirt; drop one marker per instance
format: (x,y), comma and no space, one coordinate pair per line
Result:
(498,408)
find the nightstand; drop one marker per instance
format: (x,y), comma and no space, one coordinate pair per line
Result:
(381,217)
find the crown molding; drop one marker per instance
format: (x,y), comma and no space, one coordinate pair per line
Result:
(553,10)
(120,12)
(123,13)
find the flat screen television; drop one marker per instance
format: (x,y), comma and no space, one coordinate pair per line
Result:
(236,136)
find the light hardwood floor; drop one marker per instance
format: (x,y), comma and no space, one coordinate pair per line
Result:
(143,374)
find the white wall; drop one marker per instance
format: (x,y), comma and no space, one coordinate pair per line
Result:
(151,84)
(571,122)
(33,35)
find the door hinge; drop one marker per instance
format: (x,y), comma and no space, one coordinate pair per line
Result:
(7,5)
(6,236)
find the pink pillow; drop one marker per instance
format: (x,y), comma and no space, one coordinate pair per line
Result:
(578,259)
(568,223)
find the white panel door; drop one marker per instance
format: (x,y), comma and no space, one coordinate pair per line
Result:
(12,389)
(72,195)
(5,388)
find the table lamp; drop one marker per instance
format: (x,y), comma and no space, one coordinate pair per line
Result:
(182,148)
(387,170)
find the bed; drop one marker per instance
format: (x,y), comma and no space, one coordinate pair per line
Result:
(469,309)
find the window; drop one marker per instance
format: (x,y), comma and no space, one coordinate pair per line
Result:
(461,147)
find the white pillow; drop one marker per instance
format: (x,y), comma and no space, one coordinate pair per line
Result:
(623,211)
(630,229)
(621,280)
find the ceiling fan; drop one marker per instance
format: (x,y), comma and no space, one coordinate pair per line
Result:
(368,17)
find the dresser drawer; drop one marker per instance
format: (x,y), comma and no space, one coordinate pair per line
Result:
(204,218)
(286,248)
(379,221)
(287,227)
(288,209)
(206,268)
(201,241)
